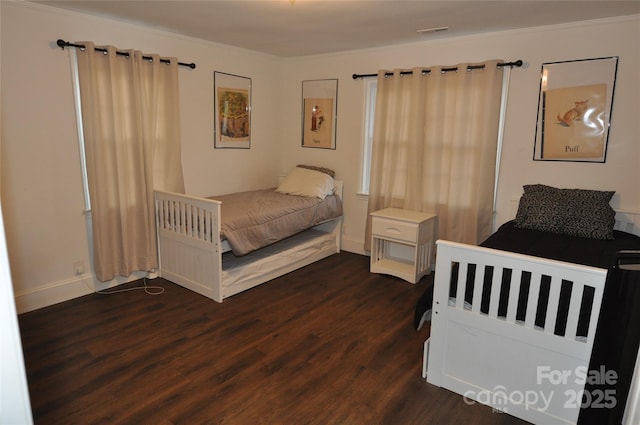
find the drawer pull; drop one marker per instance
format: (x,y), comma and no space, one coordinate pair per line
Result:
(393,230)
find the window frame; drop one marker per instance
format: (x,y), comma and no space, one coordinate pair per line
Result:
(371,87)
(78,103)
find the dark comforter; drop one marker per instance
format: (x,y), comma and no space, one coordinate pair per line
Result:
(572,249)
(589,252)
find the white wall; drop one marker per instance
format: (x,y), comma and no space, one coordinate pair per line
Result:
(617,37)
(15,407)
(41,188)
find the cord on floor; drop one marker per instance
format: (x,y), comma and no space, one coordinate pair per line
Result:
(149,290)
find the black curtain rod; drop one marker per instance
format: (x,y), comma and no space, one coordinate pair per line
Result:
(517,63)
(64,44)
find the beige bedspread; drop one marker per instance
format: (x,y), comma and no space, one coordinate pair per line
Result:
(254,219)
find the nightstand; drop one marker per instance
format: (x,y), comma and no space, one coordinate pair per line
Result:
(403,243)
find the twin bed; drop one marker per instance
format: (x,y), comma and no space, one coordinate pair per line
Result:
(513,321)
(223,245)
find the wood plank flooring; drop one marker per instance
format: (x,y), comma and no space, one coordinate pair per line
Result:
(328,344)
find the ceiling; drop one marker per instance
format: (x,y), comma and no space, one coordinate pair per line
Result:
(290,28)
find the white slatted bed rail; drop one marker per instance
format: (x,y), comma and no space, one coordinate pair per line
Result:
(190,255)
(486,357)
(190,250)
(489,353)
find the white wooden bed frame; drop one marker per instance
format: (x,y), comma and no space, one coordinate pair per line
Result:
(495,360)
(190,250)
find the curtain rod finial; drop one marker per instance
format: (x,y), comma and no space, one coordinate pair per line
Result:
(61,43)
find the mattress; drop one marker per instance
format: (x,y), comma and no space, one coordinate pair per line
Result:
(279,256)
(254,219)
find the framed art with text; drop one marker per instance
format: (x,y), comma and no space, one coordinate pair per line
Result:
(232,111)
(574,110)
(319,113)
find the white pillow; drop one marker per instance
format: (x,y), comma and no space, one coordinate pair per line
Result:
(305,182)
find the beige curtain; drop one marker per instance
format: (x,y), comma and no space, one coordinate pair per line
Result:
(131,127)
(434,147)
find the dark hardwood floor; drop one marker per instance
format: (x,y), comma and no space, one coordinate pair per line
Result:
(328,344)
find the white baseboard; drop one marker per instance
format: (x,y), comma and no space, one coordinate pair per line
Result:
(65,290)
(353,245)
(78,286)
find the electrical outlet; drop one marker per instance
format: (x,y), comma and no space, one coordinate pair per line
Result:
(78,267)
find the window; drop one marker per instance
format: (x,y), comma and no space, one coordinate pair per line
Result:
(369,121)
(370,110)
(83,157)
(128,118)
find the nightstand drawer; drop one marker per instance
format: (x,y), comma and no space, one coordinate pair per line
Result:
(394,229)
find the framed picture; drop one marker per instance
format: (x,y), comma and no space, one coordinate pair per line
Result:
(574,110)
(319,113)
(232,111)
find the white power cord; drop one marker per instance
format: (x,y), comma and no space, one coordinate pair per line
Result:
(149,290)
